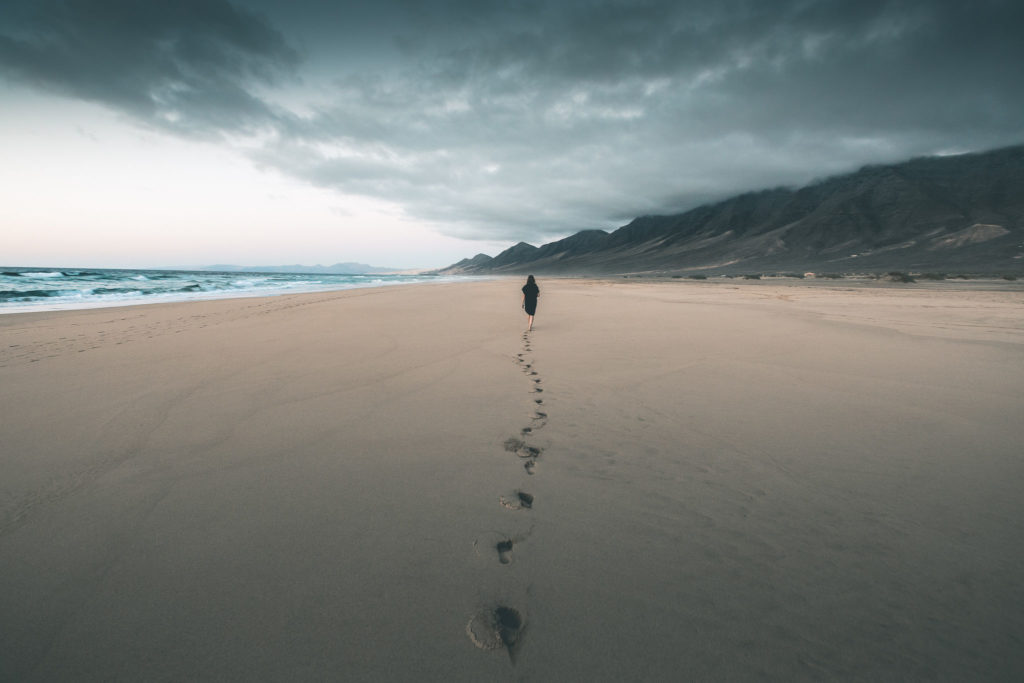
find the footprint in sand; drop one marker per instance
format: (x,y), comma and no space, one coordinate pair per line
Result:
(512,444)
(521,448)
(529,452)
(504,549)
(521,500)
(496,627)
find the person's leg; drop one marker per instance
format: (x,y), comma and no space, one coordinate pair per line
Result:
(529,323)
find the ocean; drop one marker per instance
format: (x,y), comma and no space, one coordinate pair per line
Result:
(53,289)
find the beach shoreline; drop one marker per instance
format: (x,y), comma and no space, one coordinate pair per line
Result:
(665,480)
(33,290)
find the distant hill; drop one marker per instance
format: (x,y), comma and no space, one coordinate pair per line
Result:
(336,269)
(963,212)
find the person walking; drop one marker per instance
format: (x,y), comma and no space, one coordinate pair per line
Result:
(530,293)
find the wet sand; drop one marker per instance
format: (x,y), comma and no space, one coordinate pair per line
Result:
(664,481)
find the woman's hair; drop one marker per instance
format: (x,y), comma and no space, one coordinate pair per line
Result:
(529,280)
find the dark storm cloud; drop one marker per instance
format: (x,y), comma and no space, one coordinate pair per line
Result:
(525,120)
(187,65)
(530,120)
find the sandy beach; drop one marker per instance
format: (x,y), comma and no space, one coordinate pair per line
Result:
(664,481)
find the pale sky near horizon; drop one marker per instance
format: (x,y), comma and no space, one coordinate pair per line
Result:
(413,134)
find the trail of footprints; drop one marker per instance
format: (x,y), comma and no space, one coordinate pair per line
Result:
(502,626)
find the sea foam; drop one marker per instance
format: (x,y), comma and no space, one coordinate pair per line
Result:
(23,289)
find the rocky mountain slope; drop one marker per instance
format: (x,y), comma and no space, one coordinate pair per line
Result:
(963,212)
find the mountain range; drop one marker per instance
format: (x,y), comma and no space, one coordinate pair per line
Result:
(945,213)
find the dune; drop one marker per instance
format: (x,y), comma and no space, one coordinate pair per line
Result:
(663,481)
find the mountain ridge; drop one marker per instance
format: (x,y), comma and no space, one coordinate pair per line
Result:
(928,213)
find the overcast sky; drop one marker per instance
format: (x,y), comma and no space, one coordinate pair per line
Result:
(413,133)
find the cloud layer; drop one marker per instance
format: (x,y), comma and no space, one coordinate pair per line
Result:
(508,121)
